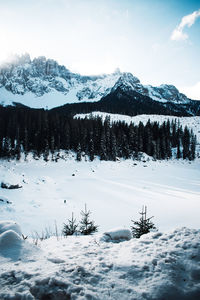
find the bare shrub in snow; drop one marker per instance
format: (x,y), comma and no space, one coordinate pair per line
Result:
(45,234)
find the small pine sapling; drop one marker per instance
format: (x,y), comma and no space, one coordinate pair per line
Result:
(143,226)
(87,227)
(71,227)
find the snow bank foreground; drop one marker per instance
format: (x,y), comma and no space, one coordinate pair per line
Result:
(156,266)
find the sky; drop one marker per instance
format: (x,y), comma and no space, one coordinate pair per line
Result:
(157,41)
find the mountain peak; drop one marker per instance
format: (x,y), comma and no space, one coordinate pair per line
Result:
(170,92)
(117,71)
(55,85)
(126,81)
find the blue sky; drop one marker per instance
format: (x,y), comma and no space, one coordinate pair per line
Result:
(148,38)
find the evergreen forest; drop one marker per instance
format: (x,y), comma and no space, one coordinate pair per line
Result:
(44,133)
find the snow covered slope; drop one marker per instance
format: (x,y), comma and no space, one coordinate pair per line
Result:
(43,83)
(163,93)
(156,266)
(113,191)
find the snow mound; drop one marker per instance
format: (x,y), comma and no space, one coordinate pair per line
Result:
(10,239)
(9,225)
(117,235)
(13,246)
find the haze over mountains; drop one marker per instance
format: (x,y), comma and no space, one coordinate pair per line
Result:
(43,83)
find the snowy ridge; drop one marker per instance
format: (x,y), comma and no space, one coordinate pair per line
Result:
(43,83)
(192,122)
(166,92)
(163,93)
(156,266)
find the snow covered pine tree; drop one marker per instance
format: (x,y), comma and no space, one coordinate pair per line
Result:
(144,225)
(87,227)
(71,227)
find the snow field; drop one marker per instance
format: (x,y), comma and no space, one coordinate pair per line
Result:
(114,192)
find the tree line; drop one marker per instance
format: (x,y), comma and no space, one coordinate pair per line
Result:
(44,133)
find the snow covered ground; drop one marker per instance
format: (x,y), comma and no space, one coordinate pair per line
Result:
(47,101)
(156,266)
(113,191)
(161,265)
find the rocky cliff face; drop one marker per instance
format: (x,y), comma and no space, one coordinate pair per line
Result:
(43,82)
(163,93)
(40,77)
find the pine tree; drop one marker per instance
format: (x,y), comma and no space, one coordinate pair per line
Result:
(103,155)
(71,227)
(46,150)
(186,143)
(25,143)
(193,147)
(78,154)
(52,147)
(7,147)
(143,226)
(178,155)
(87,227)
(17,145)
(113,145)
(91,149)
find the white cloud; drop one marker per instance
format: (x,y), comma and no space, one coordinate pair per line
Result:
(193,92)
(188,21)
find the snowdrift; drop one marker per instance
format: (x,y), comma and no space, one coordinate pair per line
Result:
(9,225)
(156,266)
(117,235)
(12,245)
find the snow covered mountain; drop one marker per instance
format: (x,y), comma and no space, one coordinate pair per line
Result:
(42,83)
(163,93)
